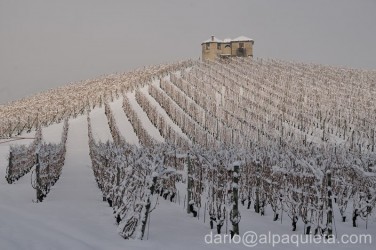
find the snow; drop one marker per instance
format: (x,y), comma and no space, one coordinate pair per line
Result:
(241,39)
(52,133)
(124,125)
(236,163)
(162,112)
(23,139)
(146,123)
(228,40)
(99,124)
(7,191)
(215,40)
(73,216)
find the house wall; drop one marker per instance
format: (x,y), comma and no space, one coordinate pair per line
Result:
(247,45)
(226,50)
(212,53)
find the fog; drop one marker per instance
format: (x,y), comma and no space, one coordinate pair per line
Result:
(44,44)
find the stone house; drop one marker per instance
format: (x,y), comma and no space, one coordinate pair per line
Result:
(216,48)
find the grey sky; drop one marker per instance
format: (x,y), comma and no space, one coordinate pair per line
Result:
(44,44)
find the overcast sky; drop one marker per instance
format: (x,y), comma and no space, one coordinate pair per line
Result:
(44,44)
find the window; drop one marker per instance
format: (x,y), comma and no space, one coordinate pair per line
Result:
(241,45)
(208,46)
(227,46)
(218,46)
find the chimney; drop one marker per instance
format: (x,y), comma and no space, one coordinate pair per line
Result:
(212,38)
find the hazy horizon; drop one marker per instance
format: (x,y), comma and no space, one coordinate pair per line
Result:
(46,44)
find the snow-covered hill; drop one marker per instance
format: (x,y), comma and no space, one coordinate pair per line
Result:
(246,103)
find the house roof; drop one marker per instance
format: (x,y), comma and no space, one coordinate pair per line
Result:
(242,39)
(215,40)
(228,40)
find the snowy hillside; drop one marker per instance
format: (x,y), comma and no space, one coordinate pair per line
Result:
(115,162)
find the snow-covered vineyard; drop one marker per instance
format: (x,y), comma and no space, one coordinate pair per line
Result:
(169,153)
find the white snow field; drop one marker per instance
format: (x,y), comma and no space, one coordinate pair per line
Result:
(101,131)
(122,122)
(52,133)
(73,216)
(146,123)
